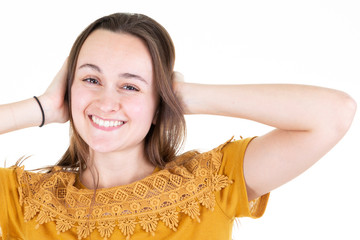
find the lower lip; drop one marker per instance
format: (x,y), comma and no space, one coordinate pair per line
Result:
(105,128)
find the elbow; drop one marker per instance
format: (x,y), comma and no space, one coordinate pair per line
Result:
(344,114)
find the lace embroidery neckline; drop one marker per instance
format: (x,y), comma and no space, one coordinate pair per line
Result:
(181,187)
(80,186)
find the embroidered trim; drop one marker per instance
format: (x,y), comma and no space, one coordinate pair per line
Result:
(182,186)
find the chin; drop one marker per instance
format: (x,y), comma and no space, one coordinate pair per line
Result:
(101,148)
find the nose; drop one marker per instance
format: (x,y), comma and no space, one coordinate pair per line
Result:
(108,101)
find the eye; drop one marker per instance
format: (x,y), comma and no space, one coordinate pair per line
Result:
(130,88)
(91,80)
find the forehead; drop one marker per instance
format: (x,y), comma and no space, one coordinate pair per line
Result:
(122,51)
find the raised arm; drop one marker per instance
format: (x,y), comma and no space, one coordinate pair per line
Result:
(309,121)
(27,113)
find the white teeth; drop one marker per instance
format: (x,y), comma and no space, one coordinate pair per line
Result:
(105,123)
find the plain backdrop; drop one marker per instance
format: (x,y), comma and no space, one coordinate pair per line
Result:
(218,42)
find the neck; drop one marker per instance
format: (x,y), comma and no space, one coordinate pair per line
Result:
(115,169)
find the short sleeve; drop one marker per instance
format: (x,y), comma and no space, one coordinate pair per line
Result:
(10,211)
(233,199)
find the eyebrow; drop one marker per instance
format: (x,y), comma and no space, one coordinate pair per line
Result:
(92,66)
(122,75)
(134,76)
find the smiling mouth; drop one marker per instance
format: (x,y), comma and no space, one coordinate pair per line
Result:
(106,123)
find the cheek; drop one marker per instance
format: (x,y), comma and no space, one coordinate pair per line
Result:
(142,109)
(78,101)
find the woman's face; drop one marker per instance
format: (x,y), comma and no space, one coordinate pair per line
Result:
(114,100)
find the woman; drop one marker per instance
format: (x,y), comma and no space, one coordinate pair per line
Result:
(121,175)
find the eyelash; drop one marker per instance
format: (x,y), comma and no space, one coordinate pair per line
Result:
(91,80)
(128,87)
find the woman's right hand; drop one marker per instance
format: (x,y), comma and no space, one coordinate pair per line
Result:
(26,113)
(53,100)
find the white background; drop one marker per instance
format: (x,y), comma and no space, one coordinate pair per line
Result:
(305,42)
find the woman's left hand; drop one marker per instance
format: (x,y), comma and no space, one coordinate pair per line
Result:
(178,85)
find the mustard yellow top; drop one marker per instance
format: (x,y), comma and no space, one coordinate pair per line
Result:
(197,196)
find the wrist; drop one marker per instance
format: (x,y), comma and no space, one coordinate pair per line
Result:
(42,111)
(191,97)
(180,92)
(46,109)
(52,112)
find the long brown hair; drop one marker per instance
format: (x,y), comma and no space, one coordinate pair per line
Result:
(166,136)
